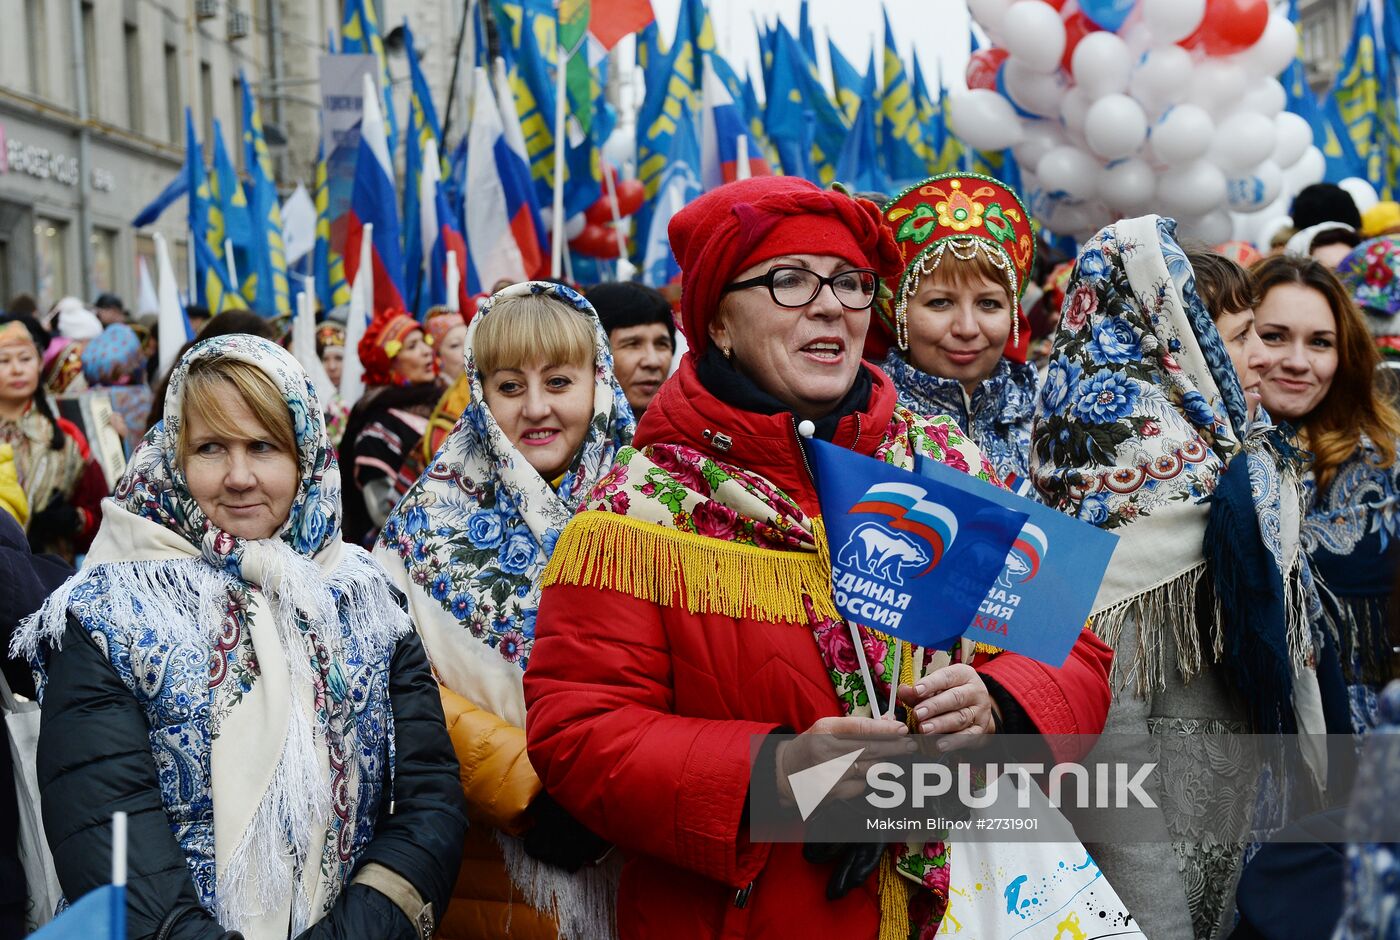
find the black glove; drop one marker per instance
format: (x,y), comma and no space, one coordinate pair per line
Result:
(559,839)
(58,520)
(855,862)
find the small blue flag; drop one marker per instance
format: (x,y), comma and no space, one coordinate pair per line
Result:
(1046,588)
(911,557)
(99,915)
(173,191)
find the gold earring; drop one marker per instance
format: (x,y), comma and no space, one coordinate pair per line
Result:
(727,352)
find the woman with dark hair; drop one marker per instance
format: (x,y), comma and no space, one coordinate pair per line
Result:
(62,482)
(1321,378)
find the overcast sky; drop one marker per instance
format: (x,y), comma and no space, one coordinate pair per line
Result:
(937,28)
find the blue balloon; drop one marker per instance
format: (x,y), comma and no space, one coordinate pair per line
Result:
(1107,14)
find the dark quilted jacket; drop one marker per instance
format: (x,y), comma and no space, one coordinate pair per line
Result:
(94,759)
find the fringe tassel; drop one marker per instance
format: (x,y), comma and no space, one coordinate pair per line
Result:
(894,901)
(583,905)
(680,569)
(1167,607)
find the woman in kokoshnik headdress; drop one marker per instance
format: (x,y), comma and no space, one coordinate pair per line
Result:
(955,314)
(1145,426)
(542,419)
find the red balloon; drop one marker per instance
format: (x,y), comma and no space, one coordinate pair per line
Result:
(600,213)
(982,68)
(595,240)
(1057,4)
(1229,26)
(630,196)
(1077,26)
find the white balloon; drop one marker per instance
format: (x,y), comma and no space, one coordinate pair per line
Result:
(1193,189)
(1033,33)
(1274,51)
(1130,186)
(1265,96)
(1040,138)
(1362,193)
(984,119)
(1173,20)
(1034,91)
(1212,228)
(1161,79)
(1183,134)
(1115,127)
(1069,170)
(1309,169)
(1102,64)
(1242,141)
(1255,190)
(989,14)
(1293,136)
(1074,106)
(1217,85)
(1270,225)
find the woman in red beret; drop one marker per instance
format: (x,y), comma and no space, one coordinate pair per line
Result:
(688,606)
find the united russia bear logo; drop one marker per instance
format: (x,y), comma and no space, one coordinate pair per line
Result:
(1024,559)
(918,535)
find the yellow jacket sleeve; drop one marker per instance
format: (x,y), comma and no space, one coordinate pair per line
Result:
(12,498)
(497,778)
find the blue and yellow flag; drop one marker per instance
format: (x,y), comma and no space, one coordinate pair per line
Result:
(265,286)
(332,290)
(422,127)
(801,119)
(228,216)
(927,113)
(900,134)
(1359,94)
(211,288)
(848,83)
(359,35)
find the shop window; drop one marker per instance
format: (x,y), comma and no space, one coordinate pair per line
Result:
(104,261)
(51,260)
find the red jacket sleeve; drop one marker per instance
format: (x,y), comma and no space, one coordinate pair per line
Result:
(1070,700)
(603,735)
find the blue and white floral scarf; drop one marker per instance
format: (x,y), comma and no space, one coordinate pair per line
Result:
(469,540)
(997,416)
(261,665)
(1138,416)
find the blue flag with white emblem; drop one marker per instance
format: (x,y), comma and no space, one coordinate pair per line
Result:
(1051,575)
(911,557)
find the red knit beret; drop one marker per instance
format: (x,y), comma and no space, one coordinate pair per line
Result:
(743,223)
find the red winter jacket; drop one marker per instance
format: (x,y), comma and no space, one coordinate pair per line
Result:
(640,716)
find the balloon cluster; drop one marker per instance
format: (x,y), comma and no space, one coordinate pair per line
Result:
(1114,108)
(598,236)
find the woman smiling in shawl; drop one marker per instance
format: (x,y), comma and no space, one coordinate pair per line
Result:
(1149,396)
(468,544)
(691,607)
(244,684)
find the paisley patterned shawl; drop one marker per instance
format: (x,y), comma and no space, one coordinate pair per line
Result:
(998,419)
(668,516)
(1136,419)
(262,665)
(470,539)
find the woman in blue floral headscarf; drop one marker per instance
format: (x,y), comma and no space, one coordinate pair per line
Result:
(1146,427)
(241,682)
(115,362)
(468,544)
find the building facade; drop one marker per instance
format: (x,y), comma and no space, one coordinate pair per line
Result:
(92,99)
(1325,28)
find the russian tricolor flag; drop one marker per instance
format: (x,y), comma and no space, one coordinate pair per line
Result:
(722,123)
(439,230)
(513,163)
(373,201)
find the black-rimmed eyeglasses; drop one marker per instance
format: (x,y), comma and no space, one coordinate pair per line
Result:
(797,287)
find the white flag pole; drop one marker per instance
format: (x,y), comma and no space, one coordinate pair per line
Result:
(454,282)
(119,849)
(232,268)
(352,376)
(741,170)
(556,241)
(617,223)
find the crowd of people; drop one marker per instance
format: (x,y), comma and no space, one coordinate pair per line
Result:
(484,652)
